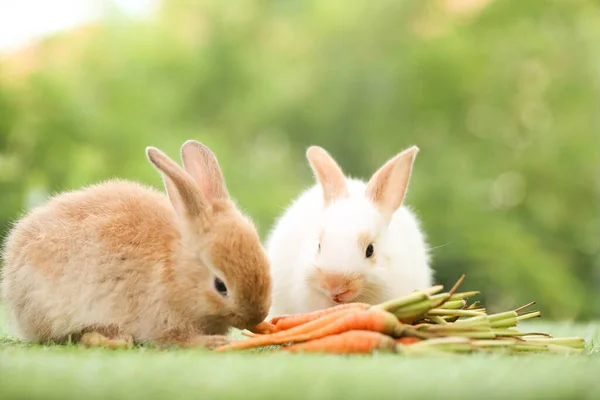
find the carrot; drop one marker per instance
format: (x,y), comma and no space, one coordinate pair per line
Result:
(280,337)
(408,340)
(285,322)
(350,342)
(263,328)
(372,319)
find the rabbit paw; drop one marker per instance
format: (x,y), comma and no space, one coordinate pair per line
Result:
(105,338)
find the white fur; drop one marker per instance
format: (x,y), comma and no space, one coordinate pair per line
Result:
(401,250)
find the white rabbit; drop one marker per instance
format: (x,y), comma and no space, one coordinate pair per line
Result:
(346,240)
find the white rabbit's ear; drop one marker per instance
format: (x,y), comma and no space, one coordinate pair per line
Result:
(201,163)
(181,189)
(328,173)
(387,187)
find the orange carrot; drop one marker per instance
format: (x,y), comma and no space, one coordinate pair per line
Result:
(289,321)
(264,328)
(372,319)
(408,340)
(351,342)
(280,336)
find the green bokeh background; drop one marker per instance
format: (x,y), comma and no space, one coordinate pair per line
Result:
(502,97)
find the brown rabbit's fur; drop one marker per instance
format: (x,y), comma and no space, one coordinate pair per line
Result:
(124,261)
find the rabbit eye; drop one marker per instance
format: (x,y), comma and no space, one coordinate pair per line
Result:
(370,250)
(220,286)
(318,246)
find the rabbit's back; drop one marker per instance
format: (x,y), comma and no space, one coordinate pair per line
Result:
(86,257)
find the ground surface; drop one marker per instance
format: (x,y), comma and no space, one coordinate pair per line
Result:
(70,372)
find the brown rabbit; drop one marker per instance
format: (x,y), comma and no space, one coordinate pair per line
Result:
(118,262)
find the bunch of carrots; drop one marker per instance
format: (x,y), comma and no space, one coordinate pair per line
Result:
(424,322)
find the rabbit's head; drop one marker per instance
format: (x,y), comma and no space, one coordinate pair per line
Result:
(352,251)
(216,238)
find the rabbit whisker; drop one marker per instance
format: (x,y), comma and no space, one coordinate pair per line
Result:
(437,247)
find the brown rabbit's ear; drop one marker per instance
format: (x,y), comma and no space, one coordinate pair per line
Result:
(387,187)
(181,189)
(201,163)
(328,174)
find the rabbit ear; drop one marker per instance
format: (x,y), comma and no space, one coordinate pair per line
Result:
(181,189)
(328,174)
(200,162)
(387,187)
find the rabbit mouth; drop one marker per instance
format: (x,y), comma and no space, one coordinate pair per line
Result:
(338,287)
(344,297)
(339,295)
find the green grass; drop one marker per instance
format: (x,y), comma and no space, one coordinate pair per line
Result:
(71,372)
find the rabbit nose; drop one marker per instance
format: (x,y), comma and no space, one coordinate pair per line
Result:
(342,288)
(251,318)
(339,290)
(334,283)
(338,286)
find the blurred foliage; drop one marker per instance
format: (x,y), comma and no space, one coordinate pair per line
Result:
(501,96)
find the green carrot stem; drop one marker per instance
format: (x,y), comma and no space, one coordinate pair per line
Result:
(517,310)
(502,315)
(515,333)
(444,341)
(480,310)
(574,342)
(438,300)
(465,313)
(446,296)
(552,348)
(530,347)
(411,299)
(456,348)
(452,345)
(433,290)
(473,305)
(409,313)
(495,350)
(481,320)
(493,343)
(411,331)
(456,327)
(457,285)
(414,307)
(454,305)
(472,334)
(464,295)
(504,323)
(534,314)
(438,320)
(560,349)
